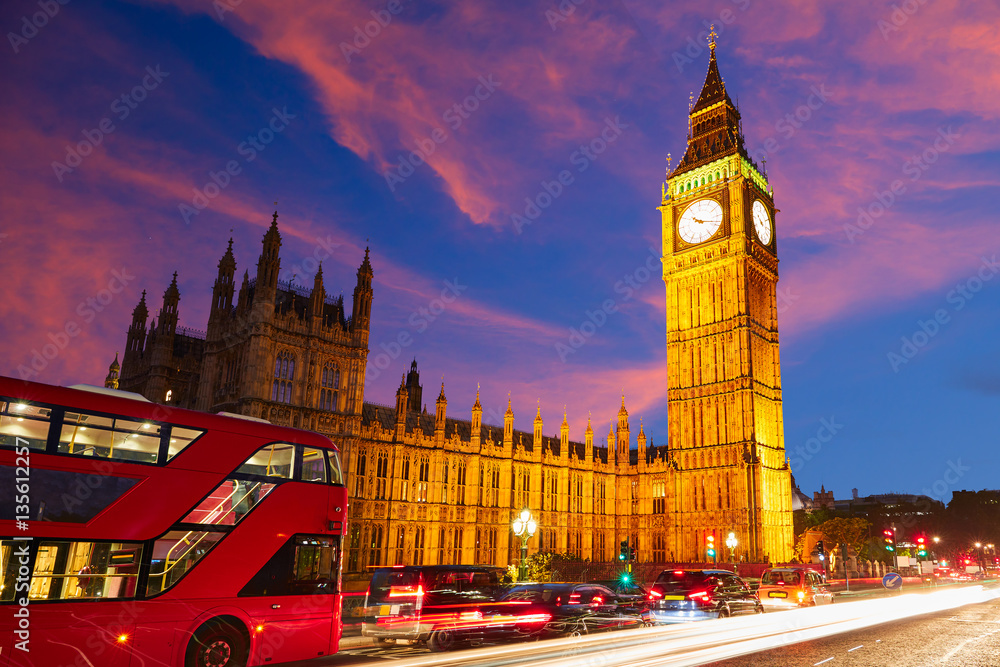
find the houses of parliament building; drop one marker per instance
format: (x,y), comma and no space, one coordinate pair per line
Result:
(443,487)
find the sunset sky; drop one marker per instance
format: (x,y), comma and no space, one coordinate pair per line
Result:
(116,115)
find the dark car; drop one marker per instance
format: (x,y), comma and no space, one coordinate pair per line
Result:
(627,590)
(541,611)
(693,595)
(440,604)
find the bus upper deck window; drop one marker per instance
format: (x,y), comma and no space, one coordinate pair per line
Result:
(180,438)
(313,465)
(86,434)
(274,460)
(20,422)
(336,473)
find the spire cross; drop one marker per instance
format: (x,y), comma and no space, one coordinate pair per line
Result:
(711,37)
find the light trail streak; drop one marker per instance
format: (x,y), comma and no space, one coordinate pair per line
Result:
(708,641)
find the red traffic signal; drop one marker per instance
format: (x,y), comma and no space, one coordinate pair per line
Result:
(920,540)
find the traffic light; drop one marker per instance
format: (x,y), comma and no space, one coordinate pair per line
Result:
(710,547)
(625,578)
(921,547)
(889,537)
(631,554)
(623,550)
(821,550)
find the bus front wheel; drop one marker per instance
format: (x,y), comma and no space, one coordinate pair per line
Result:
(217,644)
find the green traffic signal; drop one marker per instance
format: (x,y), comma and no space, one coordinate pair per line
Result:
(711,553)
(625,578)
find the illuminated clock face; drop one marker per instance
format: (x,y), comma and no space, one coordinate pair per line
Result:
(761,222)
(700,221)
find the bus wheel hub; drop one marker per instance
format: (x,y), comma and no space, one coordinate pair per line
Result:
(217,654)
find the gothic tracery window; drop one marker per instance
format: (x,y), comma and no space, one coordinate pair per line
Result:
(284,374)
(329,391)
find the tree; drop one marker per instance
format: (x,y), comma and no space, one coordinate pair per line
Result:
(853,532)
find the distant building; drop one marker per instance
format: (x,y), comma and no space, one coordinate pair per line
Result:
(823,498)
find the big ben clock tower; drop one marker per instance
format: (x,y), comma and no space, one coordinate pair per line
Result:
(720,267)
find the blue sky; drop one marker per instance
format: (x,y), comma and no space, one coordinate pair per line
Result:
(531,89)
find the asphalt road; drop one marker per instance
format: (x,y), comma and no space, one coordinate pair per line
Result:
(967,637)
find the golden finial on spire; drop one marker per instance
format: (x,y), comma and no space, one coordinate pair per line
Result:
(690,100)
(711,37)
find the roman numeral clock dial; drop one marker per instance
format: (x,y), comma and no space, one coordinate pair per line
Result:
(761,222)
(700,221)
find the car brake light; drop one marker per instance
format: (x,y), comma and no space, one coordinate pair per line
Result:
(653,595)
(534,618)
(704,595)
(678,571)
(406,591)
(802,594)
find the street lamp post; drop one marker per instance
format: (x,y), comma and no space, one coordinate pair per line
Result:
(731,543)
(979,555)
(524,527)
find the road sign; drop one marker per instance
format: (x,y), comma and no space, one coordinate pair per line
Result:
(892,581)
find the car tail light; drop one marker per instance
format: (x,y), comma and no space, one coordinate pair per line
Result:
(802,595)
(406,591)
(704,596)
(653,595)
(529,619)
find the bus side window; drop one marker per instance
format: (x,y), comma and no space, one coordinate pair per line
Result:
(304,565)
(336,473)
(273,460)
(85,570)
(313,465)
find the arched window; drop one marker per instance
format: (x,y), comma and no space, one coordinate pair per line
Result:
(381,475)
(359,476)
(329,391)
(284,373)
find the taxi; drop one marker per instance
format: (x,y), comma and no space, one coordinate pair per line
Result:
(787,587)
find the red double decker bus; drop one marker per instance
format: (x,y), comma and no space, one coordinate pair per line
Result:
(133,533)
